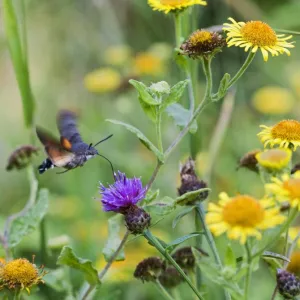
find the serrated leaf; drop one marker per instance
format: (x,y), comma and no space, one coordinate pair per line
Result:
(161,208)
(171,246)
(113,241)
(183,213)
(26,224)
(190,197)
(68,258)
(214,274)
(181,116)
(142,138)
(176,93)
(223,86)
(149,110)
(230,259)
(276,256)
(143,92)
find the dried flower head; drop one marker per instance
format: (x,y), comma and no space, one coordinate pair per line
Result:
(249,161)
(170,277)
(286,189)
(242,216)
(20,274)
(190,181)
(173,5)
(124,193)
(203,43)
(256,35)
(137,219)
(274,159)
(288,284)
(286,134)
(20,157)
(149,269)
(185,257)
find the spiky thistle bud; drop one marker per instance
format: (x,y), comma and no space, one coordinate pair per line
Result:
(190,181)
(137,219)
(170,277)
(288,284)
(149,269)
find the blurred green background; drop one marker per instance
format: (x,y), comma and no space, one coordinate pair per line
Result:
(123,39)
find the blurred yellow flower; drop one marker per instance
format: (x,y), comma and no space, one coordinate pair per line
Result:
(173,5)
(201,162)
(294,79)
(20,274)
(257,35)
(286,189)
(274,159)
(294,265)
(117,55)
(273,100)
(286,134)
(161,50)
(242,216)
(102,80)
(146,63)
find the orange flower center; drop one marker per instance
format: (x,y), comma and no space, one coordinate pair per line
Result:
(200,37)
(243,211)
(259,34)
(274,155)
(293,187)
(173,2)
(288,130)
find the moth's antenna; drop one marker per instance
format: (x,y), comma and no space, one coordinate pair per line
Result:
(103,140)
(111,165)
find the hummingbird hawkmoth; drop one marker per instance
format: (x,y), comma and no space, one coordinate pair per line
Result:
(70,151)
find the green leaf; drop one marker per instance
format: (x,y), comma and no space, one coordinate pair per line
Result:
(215,274)
(181,116)
(183,213)
(113,241)
(171,246)
(230,259)
(180,60)
(18,59)
(58,280)
(68,257)
(276,256)
(222,87)
(161,208)
(150,196)
(142,138)
(149,110)
(27,223)
(143,92)
(176,93)
(190,197)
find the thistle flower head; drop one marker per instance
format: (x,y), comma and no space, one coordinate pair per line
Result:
(124,193)
(149,269)
(20,274)
(288,284)
(185,257)
(137,219)
(170,277)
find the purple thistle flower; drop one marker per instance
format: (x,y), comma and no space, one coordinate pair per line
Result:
(122,194)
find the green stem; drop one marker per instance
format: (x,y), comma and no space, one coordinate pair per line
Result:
(17,295)
(206,63)
(153,241)
(198,228)
(242,70)
(249,272)
(163,291)
(158,131)
(178,29)
(43,241)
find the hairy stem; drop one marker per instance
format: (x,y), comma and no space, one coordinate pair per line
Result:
(249,271)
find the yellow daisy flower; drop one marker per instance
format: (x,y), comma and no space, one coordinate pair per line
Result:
(257,35)
(173,5)
(286,189)
(242,216)
(146,63)
(286,133)
(274,159)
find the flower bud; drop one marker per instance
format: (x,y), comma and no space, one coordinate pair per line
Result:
(160,88)
(20,157)
(190,181)
(137,219)
(149,269)
(170,277)
(185,257)
(288,284)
